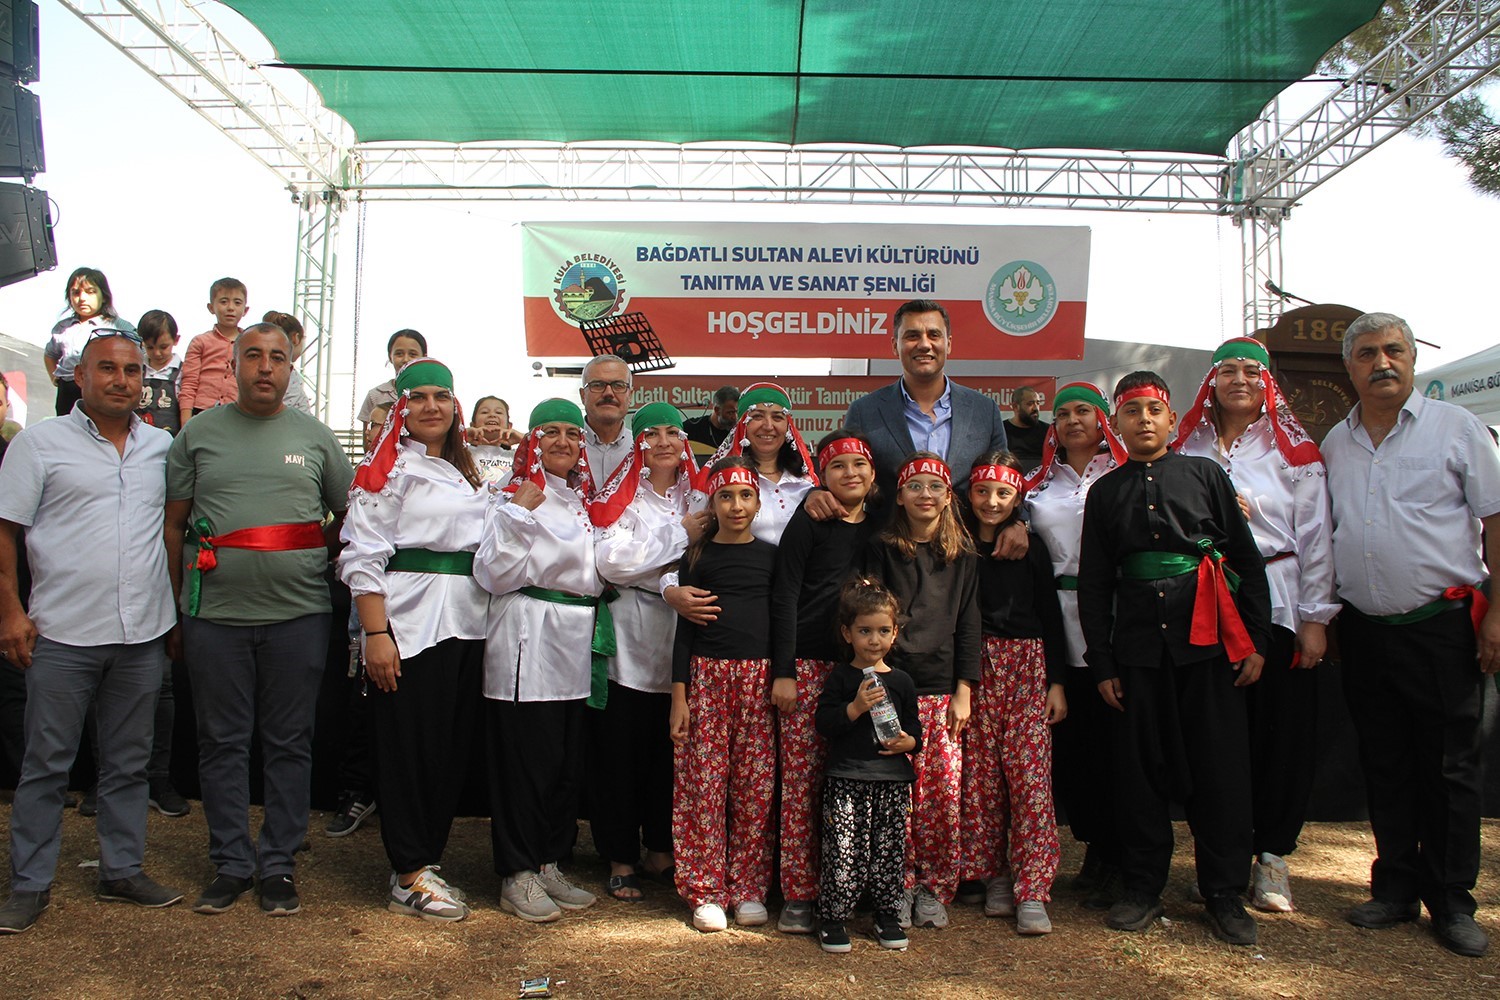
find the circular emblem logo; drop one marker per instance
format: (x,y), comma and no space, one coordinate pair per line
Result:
(1434,390)
(1021,298)
(588,286)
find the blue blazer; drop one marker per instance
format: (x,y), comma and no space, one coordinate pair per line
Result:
(978,428)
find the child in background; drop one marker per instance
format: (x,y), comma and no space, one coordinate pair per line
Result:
(297,395)
(813,561)
(90,307)
(926,558)
(207,369)
(721,718)
(1173,666)
(492,440)
(159,405)
(404,347)
(866,783)
(1009,832)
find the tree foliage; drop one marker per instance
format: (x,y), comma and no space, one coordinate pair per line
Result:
(1467,128)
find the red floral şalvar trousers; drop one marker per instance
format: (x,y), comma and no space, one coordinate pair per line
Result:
(803,752)
(1009,822)
(932,834)
(725,778)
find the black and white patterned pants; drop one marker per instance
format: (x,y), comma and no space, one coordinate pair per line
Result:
(864,845)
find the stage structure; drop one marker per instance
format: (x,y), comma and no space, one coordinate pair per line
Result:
(1266,167)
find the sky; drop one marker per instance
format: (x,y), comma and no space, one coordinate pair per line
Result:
(149,192)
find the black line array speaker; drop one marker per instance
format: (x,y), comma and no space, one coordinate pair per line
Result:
(26,247)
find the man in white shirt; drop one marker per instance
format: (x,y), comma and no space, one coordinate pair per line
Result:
(605,393)
(89,488)
(1411,481)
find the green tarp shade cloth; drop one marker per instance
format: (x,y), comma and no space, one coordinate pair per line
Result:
(1169,75)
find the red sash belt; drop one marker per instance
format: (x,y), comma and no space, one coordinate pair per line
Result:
(266,538)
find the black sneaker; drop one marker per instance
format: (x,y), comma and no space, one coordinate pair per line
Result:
(1135,913)
(139,889)
(1107,890)
(1379,914)
(1229,921)
(221,893)
(1089,871)
(833,939)
(278,896)
(166,800)
(22,910)
(354,808)
(888,931)
(1461,935)
(89,804)
(969,891)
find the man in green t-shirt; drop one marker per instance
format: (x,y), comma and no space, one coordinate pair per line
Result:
(249,486)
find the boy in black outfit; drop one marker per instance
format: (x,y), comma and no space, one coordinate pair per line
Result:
(1164,544)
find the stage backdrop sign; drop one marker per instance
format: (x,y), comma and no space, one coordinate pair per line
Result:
(807,290)
(818,401)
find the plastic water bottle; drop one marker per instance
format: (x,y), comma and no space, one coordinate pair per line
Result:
(883,714)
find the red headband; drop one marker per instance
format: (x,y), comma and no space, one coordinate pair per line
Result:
(844,446)
(733,476)
(1154,391)
(925,467)
(995,474)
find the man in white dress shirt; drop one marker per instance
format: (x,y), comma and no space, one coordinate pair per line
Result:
(1412,480)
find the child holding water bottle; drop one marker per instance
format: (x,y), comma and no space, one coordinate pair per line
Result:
(868,714)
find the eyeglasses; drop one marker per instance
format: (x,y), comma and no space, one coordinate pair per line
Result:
(917,489)
(598,386)
(104,333)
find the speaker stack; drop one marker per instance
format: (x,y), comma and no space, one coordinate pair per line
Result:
(26,247)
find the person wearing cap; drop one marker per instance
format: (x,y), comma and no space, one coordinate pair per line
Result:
(641,513)
(250,486)
(1413,480)
(605,389)
(545,640)
(1080,447)
(1241,420)
(1173,639)
(88,487)
(416,512)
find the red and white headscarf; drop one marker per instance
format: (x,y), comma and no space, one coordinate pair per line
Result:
(768,393)
(621,488)
(1073,392)
(528,462)
(375,468)
(1292,440)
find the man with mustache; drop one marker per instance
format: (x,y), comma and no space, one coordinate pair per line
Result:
(605,394)
(1412,481)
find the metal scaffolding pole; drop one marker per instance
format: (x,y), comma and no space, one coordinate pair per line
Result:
(313,287)
(1260,250)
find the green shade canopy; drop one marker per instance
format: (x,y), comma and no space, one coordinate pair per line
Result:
(1169,75)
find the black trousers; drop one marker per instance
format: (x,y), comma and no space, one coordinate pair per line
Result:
(1082,746)
(536,764)
(630,774)
(1183,737)
(864,845)
(68,393)
(1283,708)
(423,735)
(1414,693)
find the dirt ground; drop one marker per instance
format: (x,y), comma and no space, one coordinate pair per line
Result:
(345,943)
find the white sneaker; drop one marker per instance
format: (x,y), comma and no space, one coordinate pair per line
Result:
(1031,918)
(522,895)
(709,918)
(903,911)
(432,873)
(1271,885)
(927,911)
(564,893)
(796,917)
(428,897)
(999,897)
(751,914)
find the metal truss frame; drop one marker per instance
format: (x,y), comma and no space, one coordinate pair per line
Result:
(1268,167)
(313,285)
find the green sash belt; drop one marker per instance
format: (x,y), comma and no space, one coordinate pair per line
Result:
(1162,565)
(1421,614)
(1067,583)
(603,645)
(428,561)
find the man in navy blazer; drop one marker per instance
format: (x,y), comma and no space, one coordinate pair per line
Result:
(924,410)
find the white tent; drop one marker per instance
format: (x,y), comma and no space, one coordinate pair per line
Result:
(1472,382)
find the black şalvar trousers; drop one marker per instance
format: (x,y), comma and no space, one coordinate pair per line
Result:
(536,765)
(1414,692)
(1184,737)
(422,738)
(1082,745)
(630,774)
(1283,707)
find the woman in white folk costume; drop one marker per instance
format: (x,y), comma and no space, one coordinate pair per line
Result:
(1241,420)
(416,513)
(642,516)
(1079,448)
(767,435)
(537,557)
